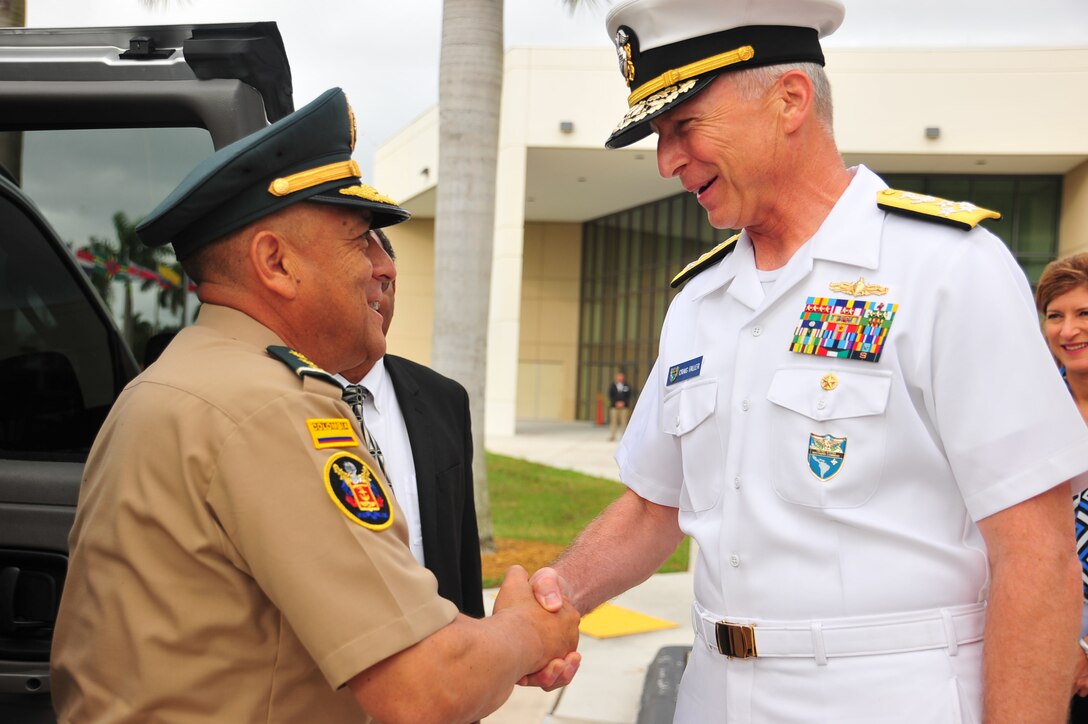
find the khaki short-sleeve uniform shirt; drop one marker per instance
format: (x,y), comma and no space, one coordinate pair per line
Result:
(218,571)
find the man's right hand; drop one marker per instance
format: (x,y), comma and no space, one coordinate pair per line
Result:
(551,592)
(550,589)
(556,625)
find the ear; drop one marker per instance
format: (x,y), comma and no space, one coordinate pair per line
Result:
(797,94)
(274,263)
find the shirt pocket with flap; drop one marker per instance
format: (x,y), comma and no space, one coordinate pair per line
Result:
(688,415)
(828,435)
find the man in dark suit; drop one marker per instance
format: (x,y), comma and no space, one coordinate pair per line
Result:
(619,402)
(420,421)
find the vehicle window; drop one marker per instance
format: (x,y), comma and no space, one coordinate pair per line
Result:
(61,364)
(94,186)
(56,365)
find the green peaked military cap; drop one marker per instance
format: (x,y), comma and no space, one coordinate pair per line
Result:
(305,156)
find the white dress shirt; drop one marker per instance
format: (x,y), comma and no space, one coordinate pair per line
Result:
(961,415)
(385,422)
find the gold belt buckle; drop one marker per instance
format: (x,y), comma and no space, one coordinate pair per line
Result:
(736,640)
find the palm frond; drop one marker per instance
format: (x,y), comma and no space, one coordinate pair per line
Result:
(573,5)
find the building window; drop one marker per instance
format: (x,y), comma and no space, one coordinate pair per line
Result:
(628,260)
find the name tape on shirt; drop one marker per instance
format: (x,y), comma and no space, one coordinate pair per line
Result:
(332,432)
(843,328)
(685,370)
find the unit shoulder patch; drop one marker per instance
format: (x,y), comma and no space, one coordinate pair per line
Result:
(961,214)
(299,363)
(358,492)
(706,261)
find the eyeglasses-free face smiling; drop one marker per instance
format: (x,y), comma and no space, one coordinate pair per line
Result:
(1065,325)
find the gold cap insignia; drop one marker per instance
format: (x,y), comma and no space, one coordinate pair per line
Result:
(623,54)
(369,193)
(351,122)
(653,104)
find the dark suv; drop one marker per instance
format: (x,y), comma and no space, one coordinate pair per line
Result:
(96,126)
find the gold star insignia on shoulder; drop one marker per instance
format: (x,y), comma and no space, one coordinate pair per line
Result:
(961,214)
(300,363)
(705,261)
(860,288)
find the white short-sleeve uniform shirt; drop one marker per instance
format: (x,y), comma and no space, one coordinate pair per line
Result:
(822,487)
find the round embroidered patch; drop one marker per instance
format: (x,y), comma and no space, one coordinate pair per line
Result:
(358,492)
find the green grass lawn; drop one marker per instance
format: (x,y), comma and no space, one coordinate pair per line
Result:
(540,503)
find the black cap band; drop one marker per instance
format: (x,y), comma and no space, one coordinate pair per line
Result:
(773,45)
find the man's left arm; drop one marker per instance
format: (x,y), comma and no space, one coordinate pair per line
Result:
(1034,610)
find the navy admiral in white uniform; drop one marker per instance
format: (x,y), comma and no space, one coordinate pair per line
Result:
(852,411)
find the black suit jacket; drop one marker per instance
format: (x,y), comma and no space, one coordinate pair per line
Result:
(436,415)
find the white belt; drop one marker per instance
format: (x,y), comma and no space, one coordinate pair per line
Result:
(856,636)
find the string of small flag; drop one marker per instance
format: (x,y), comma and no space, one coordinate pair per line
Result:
(165,277)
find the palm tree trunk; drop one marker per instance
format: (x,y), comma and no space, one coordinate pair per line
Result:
(469,94)
(12,15)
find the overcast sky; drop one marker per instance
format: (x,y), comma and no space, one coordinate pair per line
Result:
(385,54)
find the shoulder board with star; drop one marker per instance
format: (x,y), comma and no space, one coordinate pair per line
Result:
(299,363)
(961,214)
(706,261)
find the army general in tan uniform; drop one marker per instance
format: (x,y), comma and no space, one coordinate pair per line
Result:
(237,555)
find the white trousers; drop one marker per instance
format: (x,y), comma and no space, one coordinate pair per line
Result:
(919,687)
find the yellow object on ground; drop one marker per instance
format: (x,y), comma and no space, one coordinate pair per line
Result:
(609,620)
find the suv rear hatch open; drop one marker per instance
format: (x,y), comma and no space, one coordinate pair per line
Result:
(98,125)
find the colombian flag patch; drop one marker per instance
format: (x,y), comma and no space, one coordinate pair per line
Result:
(332,432)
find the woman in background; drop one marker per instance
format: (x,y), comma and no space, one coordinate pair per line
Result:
(1062,299)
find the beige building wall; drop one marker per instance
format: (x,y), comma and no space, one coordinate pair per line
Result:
(1005,101)
(1010,108)
(1073,233)
(548,348)
(406,166)
(413,318)
(550,293)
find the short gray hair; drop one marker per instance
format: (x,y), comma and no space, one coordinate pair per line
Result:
(753,82)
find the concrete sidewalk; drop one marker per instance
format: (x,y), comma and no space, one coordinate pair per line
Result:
(609,683)
(581,446)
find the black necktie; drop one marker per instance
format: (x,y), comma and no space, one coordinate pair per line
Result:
(355,396)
